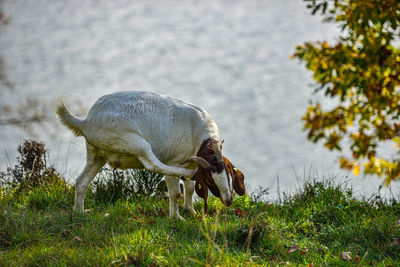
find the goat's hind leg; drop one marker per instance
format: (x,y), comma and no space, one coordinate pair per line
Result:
(93,166)
(136,145)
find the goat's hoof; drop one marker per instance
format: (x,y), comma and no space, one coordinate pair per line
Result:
(190,211)
(178,217)
(78,210)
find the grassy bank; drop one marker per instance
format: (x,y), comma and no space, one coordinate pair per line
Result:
(321,224)
(315,226)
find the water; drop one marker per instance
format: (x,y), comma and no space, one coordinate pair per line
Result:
(230,57)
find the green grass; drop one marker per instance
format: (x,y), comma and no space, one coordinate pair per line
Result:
(313,226)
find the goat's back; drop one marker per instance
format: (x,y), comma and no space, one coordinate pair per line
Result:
(165,122)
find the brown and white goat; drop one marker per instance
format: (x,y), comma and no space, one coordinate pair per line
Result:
(205,178)
(138,129)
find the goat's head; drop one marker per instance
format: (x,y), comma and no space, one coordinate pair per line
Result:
(215,172)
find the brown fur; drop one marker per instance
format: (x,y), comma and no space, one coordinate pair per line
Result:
(237,177)
(204,180)
(207,152)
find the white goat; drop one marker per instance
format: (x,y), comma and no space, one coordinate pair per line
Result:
(161,134)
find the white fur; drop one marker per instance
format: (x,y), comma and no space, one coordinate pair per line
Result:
(142,130)
(221,180)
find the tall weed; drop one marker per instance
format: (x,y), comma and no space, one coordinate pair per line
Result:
(32,181)
(32,169)
(112,185)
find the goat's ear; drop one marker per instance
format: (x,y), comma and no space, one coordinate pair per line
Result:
(238,182)
(201,189)
(214,190)
(237,178)
(200,186)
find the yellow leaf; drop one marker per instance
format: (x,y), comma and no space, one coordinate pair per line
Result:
(323,64)
(384,91)
(356,170)
(386,81)
(325,45)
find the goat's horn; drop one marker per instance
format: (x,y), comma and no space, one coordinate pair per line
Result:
(218,151)
(202,162)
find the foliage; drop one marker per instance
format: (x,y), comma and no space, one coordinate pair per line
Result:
(260,194)
(112,185)
(311,227)
(48,197)
(31,171)
(361,72)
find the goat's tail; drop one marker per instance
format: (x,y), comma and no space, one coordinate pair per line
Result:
(71,122)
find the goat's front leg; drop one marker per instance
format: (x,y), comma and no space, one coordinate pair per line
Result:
(174,194)
(189,189)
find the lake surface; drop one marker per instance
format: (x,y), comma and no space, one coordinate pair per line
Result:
(230,57)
